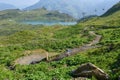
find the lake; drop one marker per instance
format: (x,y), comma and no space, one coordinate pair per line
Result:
(48,23)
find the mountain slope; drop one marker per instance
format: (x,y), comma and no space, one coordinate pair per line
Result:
(24,39)
(74,7)
(112,10)
(58,38)
(37,15)
(110,18)
(4,6)
(10,13)
(63,6)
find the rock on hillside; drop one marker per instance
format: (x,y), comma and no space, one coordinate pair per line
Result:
(89,70)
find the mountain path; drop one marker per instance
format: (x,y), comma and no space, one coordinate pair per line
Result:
(35,58)
(85,47)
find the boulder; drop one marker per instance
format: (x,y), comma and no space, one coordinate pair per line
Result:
(88,70)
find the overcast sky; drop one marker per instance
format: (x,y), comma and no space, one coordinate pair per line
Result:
(26,3)
(20,3)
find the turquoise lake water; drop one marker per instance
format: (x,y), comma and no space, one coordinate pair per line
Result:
(48,23)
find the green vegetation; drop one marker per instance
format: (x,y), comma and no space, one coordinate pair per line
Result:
(16,38)
(112,10)
(108,21)
(34,15)
(56,38)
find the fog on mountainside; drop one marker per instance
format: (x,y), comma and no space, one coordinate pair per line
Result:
(76,8)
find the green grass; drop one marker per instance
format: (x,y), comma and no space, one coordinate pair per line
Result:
(34,15)
(112,20)
(110,36)
(56,38)
(112,10)
(16,38)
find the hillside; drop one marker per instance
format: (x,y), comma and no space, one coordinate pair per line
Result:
(4,6)
(7,14)
(36,15)
(112,20)
(75,8)
(112,10)
(96,41)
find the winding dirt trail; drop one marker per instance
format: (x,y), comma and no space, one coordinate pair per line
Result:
(35,58)
(85,47)
(31,59)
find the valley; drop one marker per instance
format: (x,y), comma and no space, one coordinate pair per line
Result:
(87,49)
(34,15)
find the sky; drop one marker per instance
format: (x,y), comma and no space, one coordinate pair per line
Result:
(20,3)
(25,3)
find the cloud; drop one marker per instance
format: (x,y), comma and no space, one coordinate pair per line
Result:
(20,3)
(26,3)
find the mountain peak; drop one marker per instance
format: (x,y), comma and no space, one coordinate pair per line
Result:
(75,8)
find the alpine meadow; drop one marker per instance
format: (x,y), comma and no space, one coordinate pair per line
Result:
(60,40)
